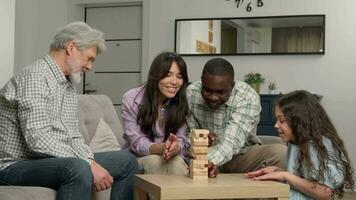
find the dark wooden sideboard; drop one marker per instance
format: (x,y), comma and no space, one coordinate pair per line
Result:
(267,118)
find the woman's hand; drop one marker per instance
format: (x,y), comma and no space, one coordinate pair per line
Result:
(172,147)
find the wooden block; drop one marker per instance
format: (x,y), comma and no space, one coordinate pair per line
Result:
(198,149)
(199,172)
(199,133)
(200,156)
(199,164)
(199,141)
(198,178)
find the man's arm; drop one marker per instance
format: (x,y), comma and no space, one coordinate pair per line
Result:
(81,149)
(241,124)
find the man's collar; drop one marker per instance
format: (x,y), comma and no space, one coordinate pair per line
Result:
(58,74)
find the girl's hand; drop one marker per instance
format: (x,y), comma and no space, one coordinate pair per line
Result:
(273,176)
(262,171)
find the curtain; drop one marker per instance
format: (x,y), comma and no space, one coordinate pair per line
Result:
(297,39)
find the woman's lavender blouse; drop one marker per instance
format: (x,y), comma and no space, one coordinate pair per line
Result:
(136,140)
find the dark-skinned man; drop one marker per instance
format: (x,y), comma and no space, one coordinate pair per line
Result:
(230,110)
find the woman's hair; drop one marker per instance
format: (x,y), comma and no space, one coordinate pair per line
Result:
(81,34)
(309,122)
(177,109)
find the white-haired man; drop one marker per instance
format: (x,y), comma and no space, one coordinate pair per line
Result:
(40,144)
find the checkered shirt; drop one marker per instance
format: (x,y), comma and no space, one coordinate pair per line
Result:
(39,116)
(235,122)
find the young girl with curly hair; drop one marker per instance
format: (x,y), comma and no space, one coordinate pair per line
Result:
(317,165)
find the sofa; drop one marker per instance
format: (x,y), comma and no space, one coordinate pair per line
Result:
(92,109)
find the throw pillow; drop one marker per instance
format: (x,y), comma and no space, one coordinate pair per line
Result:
(104,139)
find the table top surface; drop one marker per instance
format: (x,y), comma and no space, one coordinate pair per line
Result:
(225,185)
(222,180)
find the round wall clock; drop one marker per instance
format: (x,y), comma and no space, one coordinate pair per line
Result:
(249,5)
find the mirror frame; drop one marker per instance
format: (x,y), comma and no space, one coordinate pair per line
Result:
(258,17)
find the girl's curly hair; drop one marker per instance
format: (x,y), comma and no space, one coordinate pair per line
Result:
(309,123)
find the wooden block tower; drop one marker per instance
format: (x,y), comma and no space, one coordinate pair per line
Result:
(198,167)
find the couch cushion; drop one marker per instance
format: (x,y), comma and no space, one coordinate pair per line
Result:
(26,193)
(91,109)
(104,139)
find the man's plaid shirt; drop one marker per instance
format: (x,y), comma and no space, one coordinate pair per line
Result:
(235,122)
(39,116)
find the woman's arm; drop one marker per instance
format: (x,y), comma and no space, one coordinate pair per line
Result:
(136,140)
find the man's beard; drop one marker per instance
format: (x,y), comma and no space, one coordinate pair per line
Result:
(75,76)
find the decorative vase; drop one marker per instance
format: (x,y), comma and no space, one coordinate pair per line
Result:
(256,87)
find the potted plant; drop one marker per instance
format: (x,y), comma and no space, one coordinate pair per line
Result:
(272,88)
(254,80)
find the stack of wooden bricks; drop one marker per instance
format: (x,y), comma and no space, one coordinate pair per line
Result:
(198,167)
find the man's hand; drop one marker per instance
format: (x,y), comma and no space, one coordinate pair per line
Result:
(213,139)
(212,170)
(172,147)
(102,180)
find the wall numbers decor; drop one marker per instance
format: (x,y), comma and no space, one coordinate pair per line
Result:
(248,4)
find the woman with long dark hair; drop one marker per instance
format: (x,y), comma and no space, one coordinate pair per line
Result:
(154,117)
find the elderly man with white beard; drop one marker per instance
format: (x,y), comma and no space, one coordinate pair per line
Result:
(40,144)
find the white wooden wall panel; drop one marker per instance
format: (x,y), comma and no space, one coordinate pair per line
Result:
(120,56)
(124,22)
(119,68)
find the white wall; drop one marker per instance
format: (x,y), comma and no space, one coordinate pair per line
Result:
(36,24)
(331,75)
(7,21)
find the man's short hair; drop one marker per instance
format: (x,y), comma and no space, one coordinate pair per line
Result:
(219,66)
(81,34)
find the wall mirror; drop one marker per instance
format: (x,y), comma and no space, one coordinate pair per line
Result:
(272,35)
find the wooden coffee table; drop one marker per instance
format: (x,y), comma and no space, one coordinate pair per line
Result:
(224,186)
